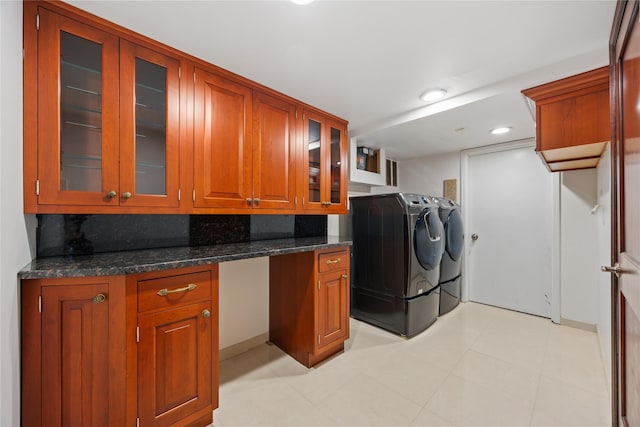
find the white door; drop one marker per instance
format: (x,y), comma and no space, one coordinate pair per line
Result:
(508,205)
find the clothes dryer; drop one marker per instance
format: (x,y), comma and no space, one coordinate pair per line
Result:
(451,264)
(397,249)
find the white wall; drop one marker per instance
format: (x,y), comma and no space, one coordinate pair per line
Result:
(14,240)
(244,300)
(603,219)
(425,175)
(579,268)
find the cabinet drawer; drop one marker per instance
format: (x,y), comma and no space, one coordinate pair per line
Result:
(333,261)
(173,290)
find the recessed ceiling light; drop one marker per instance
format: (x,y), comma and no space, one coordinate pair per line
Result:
(301,2)
(433,95)
(500,131)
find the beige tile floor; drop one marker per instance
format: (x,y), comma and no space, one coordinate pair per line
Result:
(476,366)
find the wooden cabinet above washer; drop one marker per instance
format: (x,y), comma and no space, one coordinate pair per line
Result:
(573,122)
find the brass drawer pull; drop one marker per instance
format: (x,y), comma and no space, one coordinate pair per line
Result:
(164,292)
(333,261)
(100,298)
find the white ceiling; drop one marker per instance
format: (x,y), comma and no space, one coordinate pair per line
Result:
(367,61)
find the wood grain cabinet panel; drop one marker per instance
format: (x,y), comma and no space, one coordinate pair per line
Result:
(309,309)
(274,152)
(174,364)
(73,352)
(177,346)
(245,151)
(222,142)
(332,313)
(572,120)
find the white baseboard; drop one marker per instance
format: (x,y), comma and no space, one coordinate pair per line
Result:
(578,325)
(603,358)
(243,346)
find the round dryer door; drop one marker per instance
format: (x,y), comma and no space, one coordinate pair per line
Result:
(428,241)
(454,243)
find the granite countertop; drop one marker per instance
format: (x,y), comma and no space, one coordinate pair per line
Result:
(140,261)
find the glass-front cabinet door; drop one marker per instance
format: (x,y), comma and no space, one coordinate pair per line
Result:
(337,185)
(108,112)
(325,158)
(314,143)
(149,127)
(78,113)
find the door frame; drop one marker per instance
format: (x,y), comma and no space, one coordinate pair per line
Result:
(465,155)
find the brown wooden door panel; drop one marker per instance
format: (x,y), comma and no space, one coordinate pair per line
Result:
(333,308)
(149,128)
(174,364)
(75,348)
(78,117)
(626,216)
(629,249)
(222,142)
(274,155)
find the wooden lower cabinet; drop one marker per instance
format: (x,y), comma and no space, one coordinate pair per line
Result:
(309,303)
(73,352)
(177,357)
(121,350)
(142,349)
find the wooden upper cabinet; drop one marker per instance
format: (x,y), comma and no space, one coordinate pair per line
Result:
(222,142)
(244,145)
(149,127)
(108,121)
(324,181)
(572,120)
(77,112)
(111,127)
(274,152)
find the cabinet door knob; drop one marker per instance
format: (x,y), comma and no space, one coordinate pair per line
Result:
(249,200)
(256,201)
(206,313)
(126,195)
(98,299)
(111,194)
(345,277)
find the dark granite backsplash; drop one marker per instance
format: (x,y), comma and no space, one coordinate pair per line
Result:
(69,235)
